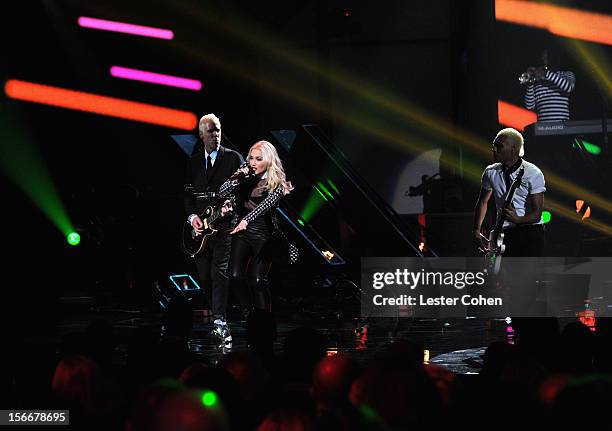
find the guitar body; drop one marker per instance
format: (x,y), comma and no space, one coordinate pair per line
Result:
(496,249)
(193,244)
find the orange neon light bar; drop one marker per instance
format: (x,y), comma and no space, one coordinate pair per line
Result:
(559,20)
(103,105)
(514,116)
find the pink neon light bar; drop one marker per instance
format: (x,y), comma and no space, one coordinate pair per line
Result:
(121,27)
(155,78)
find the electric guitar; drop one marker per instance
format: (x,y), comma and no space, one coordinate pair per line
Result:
(496,247)
(193,243)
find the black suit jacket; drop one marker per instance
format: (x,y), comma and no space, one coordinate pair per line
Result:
(226,163)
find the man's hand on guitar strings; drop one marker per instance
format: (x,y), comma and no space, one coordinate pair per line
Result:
(481,241)
(226,208)
(510,214)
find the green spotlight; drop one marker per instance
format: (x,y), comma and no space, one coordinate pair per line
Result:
(590,148)
(300,222)
(369,414)
(325,189)
(546,216)
(333,186)
(320,192)
(73,238)
(23,163)
(313,204)
(209,399)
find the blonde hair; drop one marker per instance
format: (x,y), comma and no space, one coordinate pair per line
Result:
(515,136)
(208,117)
(274,167)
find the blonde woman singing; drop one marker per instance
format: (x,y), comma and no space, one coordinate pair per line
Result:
(259,188)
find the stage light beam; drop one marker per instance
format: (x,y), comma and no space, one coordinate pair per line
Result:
(23,164)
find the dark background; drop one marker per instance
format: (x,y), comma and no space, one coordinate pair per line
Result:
(120,181)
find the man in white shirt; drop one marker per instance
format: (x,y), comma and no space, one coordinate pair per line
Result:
(523,226)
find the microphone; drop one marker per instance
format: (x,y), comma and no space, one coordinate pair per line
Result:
(240,173)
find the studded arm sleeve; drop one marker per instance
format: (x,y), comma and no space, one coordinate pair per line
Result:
(228,187)
(268,203)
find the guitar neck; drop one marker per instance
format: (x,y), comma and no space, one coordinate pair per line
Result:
(501,218)
(213,218)
(217,213)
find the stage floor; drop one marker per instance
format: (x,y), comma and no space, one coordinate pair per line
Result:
(456,344)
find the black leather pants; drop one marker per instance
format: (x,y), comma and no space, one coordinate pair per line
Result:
(248,268)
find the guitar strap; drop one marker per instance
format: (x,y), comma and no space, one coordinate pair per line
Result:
(509,171)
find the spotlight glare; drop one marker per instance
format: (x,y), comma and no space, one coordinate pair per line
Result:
(73,238)
(209,399)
